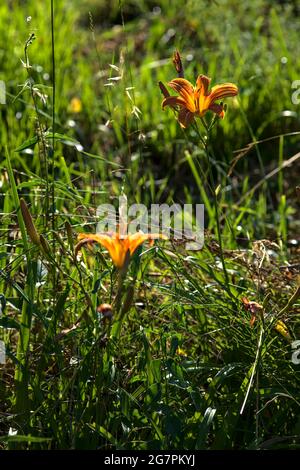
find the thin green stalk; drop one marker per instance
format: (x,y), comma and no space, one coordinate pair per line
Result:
(41,138)
(119,312)
(205,142)
(257,409)
(22,370)
(254,366)
(53,141)
(217,220)
(280,164)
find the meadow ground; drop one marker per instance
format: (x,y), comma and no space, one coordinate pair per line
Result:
(172,348)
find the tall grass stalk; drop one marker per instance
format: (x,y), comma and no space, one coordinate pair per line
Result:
(22,368)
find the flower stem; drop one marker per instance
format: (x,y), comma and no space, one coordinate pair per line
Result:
(205,142)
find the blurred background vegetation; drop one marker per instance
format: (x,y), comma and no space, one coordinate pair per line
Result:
(253,44)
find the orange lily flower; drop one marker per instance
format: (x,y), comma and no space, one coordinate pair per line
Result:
(117,245)
(195,101)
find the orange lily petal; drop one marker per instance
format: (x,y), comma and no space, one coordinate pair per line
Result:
(185,117)
(218,109)
(102,239)
(202,84)
(185,90)
(117,246)
(117,250)
(136,239)
(181,85)
(112,243)
(201,94)
(222,91)
(173,101)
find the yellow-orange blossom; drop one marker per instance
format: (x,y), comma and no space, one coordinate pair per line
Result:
(195,101)
(116,244)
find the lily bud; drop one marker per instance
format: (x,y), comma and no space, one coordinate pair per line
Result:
(106,311)
(30,227)
(178,64)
